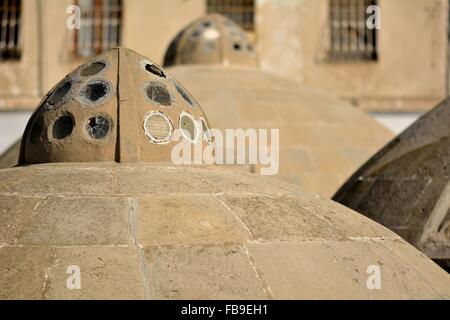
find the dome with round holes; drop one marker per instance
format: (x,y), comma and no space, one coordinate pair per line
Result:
(117,107)
(212,39)
(142,230)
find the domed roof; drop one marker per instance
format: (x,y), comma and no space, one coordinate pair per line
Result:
(161,232)
(406,185)
(117,107)
(322,140)
(212,39)
(143,230)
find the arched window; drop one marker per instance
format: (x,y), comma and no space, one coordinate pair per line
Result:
(10,16)
(100,27)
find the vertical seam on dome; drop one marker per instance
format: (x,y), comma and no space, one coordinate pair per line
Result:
(258,274)
(266,287)
(47,273)
(238,217)
(117,151)
(134,230)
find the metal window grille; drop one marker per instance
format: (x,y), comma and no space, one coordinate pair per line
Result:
(10,15)
(240,11)
(100,27)
(350,39)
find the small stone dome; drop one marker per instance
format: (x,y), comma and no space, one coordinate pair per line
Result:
(117,107)
(406,185)
(212,39)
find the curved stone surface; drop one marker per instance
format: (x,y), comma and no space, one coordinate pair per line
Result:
(212,39)
(104,221)
(118,107)
(10,157)
(322,140)
(158,232)
(406,186)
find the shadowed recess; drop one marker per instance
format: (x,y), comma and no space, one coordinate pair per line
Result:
(159,94)
(96,90)
(98,127)
(63,127)
(93,69)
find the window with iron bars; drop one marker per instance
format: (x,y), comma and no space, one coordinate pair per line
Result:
(100,27)
(240,11)
(350,39)
(10,15)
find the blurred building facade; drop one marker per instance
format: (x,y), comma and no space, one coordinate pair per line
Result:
(321,43)
(401,67)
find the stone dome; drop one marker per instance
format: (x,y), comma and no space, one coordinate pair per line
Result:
(143,231)
(322,139)
(117,107)
(212,39)
(152,230)
(406,185)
